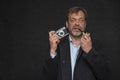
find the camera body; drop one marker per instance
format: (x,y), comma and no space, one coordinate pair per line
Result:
(62,32)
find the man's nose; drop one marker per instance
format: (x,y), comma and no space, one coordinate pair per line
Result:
(77,23)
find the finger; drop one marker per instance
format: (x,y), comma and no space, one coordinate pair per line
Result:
(51,33)
(85,39)
(54,37)
(82,40)
(86,35)
(58,41)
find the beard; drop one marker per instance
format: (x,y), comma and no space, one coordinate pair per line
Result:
(76,32)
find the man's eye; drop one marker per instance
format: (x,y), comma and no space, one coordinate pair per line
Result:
(72,20)
(81,20)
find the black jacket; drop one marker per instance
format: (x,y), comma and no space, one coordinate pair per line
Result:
(91,66)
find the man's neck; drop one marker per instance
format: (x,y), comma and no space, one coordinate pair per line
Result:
(76,40)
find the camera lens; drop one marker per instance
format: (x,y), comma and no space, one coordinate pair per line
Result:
(61,33)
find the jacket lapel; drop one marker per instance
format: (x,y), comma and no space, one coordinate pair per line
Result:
(65,60)
(79,54)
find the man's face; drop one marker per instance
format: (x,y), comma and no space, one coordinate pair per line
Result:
(76,23)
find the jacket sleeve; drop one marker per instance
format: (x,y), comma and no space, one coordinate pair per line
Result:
(97,63)
(49,69)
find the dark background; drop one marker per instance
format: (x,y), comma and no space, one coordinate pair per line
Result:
(24,27)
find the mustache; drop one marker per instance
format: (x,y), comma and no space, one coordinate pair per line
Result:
(80,30)
(77,27)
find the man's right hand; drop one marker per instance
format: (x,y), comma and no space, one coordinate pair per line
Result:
(54,40)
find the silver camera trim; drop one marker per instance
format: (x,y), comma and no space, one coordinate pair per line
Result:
(62,32)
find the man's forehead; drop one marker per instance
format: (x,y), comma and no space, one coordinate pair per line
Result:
(77,13)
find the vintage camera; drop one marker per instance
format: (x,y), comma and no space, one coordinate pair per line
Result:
(62,32)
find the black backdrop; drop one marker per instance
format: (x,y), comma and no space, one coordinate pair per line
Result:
(24,26)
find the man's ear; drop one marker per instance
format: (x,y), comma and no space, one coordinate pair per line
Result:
(85,24)
(66,24)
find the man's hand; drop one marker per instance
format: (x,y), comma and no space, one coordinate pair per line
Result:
(86,43)
(54,40)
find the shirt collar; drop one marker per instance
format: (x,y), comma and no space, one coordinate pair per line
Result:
(71,41)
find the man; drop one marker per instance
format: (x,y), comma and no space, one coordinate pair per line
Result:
(74,57)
